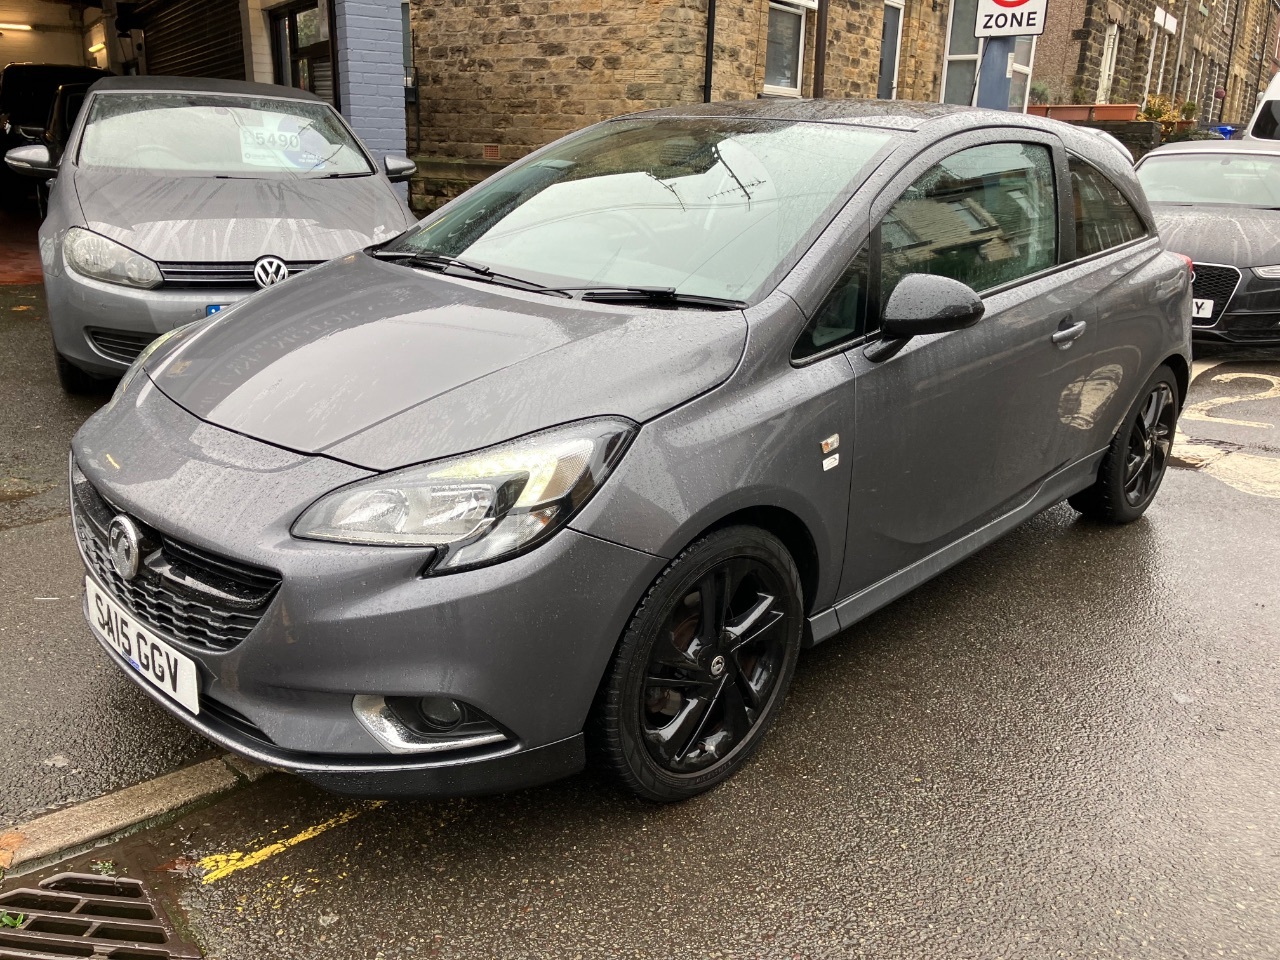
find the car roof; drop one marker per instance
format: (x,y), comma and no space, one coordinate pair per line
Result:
(1218,146)
(201,85)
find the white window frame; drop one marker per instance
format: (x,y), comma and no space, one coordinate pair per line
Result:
(801,7)
(1107,73)
(897,54)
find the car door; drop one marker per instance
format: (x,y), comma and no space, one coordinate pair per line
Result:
(957,429)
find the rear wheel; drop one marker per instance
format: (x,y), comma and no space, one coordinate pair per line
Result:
(74,380)
(703,666)
(1135,463)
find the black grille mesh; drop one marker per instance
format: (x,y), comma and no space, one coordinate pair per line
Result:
(221,274)
(181,591)
(1217,284)
(120,345)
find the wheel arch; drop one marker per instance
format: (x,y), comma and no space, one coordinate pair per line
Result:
(788,528)
(1182,374)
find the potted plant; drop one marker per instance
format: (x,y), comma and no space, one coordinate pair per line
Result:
(1038,99)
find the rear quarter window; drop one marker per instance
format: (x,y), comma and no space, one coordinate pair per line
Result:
(1104,218)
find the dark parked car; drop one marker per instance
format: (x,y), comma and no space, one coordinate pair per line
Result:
(27,92)
(1218,202)
(587,457)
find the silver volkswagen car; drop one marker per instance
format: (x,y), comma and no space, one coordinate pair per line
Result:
(176,198)
(578,465)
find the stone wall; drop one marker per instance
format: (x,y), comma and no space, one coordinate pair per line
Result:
(499,79)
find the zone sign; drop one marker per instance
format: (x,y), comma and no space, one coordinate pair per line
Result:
(1010,18)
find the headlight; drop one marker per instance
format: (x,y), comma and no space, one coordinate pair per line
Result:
(141,359)
(1268,273)
(479,507)
(96,256)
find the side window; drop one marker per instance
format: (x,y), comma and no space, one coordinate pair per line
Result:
(985,216)
(1104,218)
(842,317)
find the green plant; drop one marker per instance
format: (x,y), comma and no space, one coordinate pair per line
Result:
(1039,92)
(9,920)
(1080,96)
(1189,110)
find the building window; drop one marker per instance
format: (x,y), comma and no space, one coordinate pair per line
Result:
(784,55)
(304,56)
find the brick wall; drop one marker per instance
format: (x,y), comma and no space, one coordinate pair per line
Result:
(370,66)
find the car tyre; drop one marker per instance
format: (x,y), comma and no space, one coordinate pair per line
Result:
(1136,461)
(74,380)
(702,668)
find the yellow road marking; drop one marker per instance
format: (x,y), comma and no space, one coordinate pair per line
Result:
(216,866)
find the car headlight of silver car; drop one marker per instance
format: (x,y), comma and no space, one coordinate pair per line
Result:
(1268,273)
(102,258)
(479,507)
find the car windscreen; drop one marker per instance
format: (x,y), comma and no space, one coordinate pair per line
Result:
(1241,179)
(204,135)
(27,90)
(704,206)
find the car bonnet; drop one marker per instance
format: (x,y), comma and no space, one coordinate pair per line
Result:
(212,220)
(381,365)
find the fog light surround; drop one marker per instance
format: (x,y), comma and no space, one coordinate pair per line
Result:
(408,725)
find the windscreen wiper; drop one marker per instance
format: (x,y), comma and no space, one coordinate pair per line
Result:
(656,296)
(440,263)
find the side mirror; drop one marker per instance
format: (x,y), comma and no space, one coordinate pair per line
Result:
(922,304)
(32,160)
(399,169)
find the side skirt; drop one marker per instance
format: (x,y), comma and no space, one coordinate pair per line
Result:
(845,613)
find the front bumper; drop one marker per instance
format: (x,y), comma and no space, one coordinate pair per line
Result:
(1251,315)
(100,326)
(525,642)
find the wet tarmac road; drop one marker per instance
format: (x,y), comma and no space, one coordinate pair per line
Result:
(73,728)
(1068,745)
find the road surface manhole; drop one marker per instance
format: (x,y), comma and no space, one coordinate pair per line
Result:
(82,915)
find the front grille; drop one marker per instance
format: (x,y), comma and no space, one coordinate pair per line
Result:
(119,344)
(181,591)
(1216,283)
(83,915)
(221,274)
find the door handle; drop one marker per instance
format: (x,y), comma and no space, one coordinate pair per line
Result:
(1067,335)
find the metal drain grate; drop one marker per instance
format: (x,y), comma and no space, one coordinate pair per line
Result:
(83,915)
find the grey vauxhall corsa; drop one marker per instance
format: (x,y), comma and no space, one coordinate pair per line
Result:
(579,464)
(176,198)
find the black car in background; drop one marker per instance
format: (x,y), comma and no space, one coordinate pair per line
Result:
(1218,202)
(28,92)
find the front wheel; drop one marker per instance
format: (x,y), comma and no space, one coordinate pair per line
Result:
(702,668)
(1135,463)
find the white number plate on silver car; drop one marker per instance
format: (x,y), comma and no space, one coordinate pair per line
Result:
(164,668)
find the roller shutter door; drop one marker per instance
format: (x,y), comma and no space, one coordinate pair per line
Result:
(194,38)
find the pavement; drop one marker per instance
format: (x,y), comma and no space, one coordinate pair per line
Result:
(19,248)
(1066,746)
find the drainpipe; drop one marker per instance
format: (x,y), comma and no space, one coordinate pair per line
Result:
(1182,39)
(1151,60)
(820,50)
(711,51)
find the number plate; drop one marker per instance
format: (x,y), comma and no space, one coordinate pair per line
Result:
(213,308)
(1201,309)
(166,669)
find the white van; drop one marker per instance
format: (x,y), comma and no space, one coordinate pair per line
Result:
(1265,124)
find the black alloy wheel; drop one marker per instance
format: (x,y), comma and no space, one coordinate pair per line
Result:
(703,666)
(1136,461)
(1150,443)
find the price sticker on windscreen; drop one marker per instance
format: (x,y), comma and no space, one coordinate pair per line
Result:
(1011,18)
